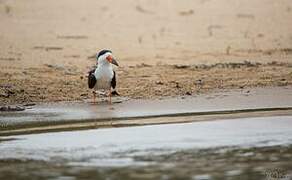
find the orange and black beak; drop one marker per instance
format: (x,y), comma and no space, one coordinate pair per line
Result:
(112,60)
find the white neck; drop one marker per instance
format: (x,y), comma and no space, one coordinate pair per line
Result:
(103,64)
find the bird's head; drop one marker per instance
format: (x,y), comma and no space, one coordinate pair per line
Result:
(106,56)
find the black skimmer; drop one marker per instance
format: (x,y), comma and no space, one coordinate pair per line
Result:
(103,77)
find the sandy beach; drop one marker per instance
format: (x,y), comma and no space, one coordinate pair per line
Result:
(165,48)
(205,85)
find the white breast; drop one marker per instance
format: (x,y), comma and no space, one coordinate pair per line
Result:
(104,75)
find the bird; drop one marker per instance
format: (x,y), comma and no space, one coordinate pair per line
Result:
(103,77)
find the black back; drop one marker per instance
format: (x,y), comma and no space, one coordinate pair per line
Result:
(91,79)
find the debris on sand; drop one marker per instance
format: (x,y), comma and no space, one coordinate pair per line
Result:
(186,13)
(199,82)
(84,94)
(8,9)
(8,59)
(217,65)
(142,10)
(72,56)
(6,93)
(159,83)
(188,93)
(228,48)
(143,65)
(245,63)
(211,29)
(91,57)
(177,85)
(53,48)
(286,51)
(72,37)
(56,67)
(177,66)
(11,108)
(70,72)
(246,16)
(48,48)
(29,104)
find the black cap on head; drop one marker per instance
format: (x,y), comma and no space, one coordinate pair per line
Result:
(102,52)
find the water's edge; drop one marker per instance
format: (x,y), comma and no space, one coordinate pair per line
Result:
(68,125)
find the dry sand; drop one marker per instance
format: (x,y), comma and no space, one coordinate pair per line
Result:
(46,47)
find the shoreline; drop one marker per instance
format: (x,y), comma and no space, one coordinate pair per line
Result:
(145,121)
(45,117)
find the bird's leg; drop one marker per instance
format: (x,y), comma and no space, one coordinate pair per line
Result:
(94,96)
(110,97)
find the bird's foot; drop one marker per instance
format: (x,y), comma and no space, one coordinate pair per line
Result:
(115,93)
(94,97)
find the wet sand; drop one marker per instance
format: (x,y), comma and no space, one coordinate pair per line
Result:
(43,117)
(46,47)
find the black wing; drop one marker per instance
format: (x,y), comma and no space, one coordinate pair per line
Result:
(113,84)
(91,79)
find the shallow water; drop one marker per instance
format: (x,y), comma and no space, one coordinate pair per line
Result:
(82,145)
(263,143)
